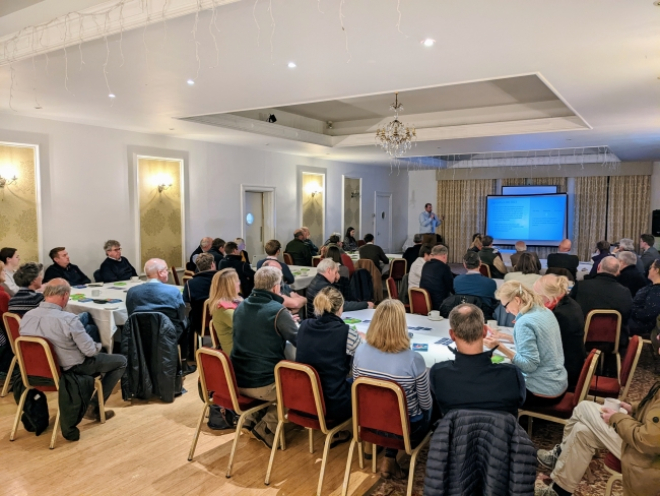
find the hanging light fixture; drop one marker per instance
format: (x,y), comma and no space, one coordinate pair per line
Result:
(396,138)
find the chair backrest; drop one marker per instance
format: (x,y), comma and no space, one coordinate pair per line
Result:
(36,358)
(392,290)
(288,259)
(560,271)
(216,373)
(587,373)
(420,302)
(484,270)
(361,242)
(12,326)
(398,268)
(186,278)
(299,389)
(175,276)
(373,397)
(603,326)
(629,365)
(214,336)
(347,262)
(188,272)
(316,261)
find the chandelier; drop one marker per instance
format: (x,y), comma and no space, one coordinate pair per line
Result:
(395,138)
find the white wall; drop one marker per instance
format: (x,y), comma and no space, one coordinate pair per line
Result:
(88,193)
(422,189)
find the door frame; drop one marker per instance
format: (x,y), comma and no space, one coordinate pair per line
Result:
(343,205)
(269,209)
(383,194)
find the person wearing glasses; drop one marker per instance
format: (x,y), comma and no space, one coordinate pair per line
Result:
(115,267)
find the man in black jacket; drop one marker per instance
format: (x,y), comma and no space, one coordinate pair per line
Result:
(375,254)
(234,261)
(115,267)
(327,275)
(217,250)
(646,243)
(299,250)
(63,268)
(629,276)
(563,258)
(196,290)
(437,278)
(412,253)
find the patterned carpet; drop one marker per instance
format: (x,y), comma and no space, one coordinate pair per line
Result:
(545,435)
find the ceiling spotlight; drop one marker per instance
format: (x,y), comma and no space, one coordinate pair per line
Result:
(291,65)
(428,42)
(191,82)
(111,95)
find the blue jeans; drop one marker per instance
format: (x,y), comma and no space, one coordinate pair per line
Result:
(419,427)
(90,326)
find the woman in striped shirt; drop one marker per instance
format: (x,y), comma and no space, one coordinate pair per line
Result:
(387,355)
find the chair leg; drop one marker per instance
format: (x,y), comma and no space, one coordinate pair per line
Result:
(347,474)
(21,404)
(239,426)
(197,431)
(100,398)
(324,460)
(610,483)
(374,457)
(360,455)
(530,421)
(413,461)
(278,437)
(311,440)
(618,367)
(5,388)
(55,427)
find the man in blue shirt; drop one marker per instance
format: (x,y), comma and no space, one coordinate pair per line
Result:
(428,221)
(474,284)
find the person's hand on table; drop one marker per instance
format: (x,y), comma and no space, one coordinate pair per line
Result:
(370,304)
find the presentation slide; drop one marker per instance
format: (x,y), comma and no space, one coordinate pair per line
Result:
(536,219)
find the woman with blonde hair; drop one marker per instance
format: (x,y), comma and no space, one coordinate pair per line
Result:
(223,300)
(553,290)
(387,355)
(539,354)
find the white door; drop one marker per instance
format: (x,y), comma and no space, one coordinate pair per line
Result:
(383,224)
(254,223)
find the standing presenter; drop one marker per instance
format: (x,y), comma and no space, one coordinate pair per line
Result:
(428,221)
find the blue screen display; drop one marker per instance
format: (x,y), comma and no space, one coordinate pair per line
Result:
(535,219)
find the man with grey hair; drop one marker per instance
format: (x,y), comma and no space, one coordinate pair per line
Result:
(327,274)
(412,253)
(157,296)
(205,245)
(115,267)
(75,349)
(472,380)
(262,327)
(307,238)
(629,276)
(28,278)
(437,277)
(521,247)
(627,244)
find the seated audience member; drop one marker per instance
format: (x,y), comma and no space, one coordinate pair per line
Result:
(604,292)
(76,350)
(415,274)
(473,283)
(411,254)
(603,250)
(12,260)
(491,257)
(327,274)
(262,326)
(6,353)
(299,251)
(64,269)
(536,335)
(374,253)
(472,381)
(115,267)
(563,258)
(332,242)
(233,260)
(28,277)
(629,276)
(387,355)
(327,344)
(627,244)
(157,296)
(350,243)
(633,437)
(476,243)
(527,272)
(521,247)
(313,249)
(197,251)
(223,300)
(334,253)
(646,305)
(292,300)
(217,250)
(273,249)
(553,290)
(437,278)
(240,243)
(649,252)
(204,246)
(196,290)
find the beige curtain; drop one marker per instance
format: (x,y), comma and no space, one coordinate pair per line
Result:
(537,181)
(590,214)
(628,214)
(463,203)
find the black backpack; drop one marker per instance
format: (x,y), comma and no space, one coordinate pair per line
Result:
(35,412)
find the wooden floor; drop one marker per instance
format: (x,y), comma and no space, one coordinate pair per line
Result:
(144,449)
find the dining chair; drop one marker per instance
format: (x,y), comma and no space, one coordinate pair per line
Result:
(603,329)
(420,301)
(12,324)
(612,387)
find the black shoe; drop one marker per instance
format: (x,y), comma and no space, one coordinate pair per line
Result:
(187,368)
(262,433)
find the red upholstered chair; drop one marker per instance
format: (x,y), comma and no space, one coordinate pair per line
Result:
(36,358)
(175,276)
(299,390)
(398,268)
(214,336)
(484,270)
(562,410)
(613,465)
(420,301)
(603,329)
(393,292)
(347,262)
(381,406)
(361,242)
(216,375)
(206,320)
(316,261)
(288,259)
(610,387)
(12,324)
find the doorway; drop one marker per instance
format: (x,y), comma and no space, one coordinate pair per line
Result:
(383,221)
(257,219)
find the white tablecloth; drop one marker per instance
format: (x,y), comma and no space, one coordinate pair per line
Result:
(583,269)
(356,255)
(303,275)
(438,329)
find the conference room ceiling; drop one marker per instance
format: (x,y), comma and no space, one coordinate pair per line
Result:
(594,66)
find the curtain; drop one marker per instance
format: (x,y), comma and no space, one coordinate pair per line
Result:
(463,203)
(590,214)
(628,213)
(537,181)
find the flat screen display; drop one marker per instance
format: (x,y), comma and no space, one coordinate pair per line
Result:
(529,190)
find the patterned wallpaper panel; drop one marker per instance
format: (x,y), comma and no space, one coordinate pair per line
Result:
(352,206)
(160,212)
(313,206)
(18,202)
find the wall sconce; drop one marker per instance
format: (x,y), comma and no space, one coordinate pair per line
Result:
(355,194)
(315,190)
(7,182)
(163,187)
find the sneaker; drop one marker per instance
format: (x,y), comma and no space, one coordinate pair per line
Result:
(545,491)
(262,433)
(548,458)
